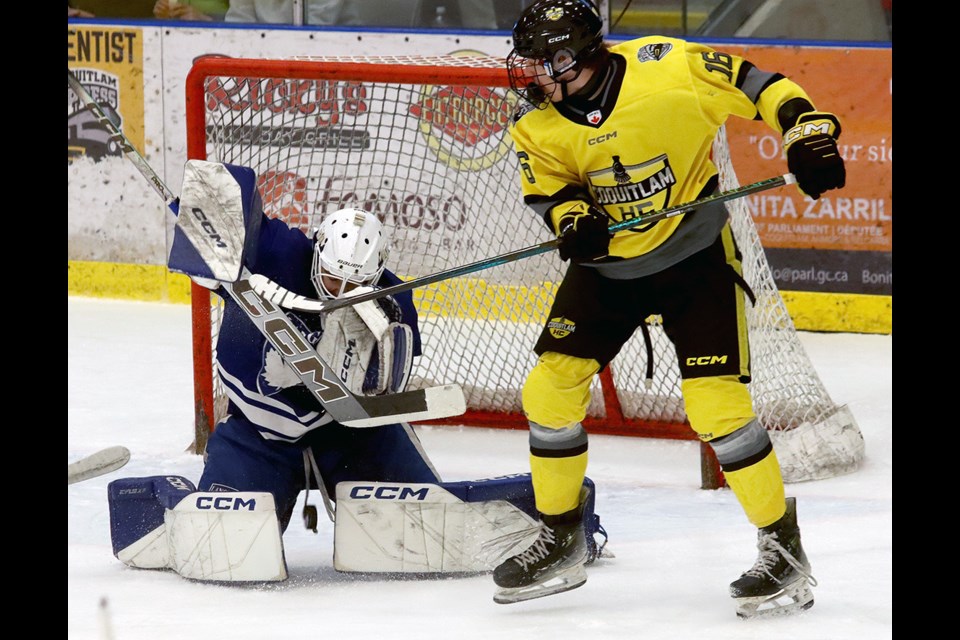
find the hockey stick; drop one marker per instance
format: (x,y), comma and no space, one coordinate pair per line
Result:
(319,377)
(289,300)
(97,464)
(116,135)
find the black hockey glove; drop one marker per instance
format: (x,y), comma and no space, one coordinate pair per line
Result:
(812,154)
(583,234)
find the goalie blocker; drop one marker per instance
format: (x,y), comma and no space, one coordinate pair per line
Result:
(162,522)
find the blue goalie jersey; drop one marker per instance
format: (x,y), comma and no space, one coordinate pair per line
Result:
(278,411)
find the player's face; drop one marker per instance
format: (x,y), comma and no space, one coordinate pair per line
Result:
(536,72)
(550,87)
(336,286)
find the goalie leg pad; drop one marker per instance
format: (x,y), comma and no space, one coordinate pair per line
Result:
(226,537)
(452,527)
(162,522)
(137,529)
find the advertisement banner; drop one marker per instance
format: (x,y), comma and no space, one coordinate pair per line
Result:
(834,251)
(841,242)
(108,62)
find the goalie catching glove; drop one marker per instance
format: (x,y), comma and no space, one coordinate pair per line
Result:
(812,154)
(368,346)
(583,233)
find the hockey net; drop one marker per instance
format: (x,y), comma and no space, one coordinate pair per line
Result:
(423,142)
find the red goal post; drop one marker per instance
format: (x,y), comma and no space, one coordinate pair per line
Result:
(422,141)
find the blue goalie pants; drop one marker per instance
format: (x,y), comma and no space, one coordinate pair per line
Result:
(238,458)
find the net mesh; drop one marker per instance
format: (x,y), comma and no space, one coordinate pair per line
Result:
(430,155)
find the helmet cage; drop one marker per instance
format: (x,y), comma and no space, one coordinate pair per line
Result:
(349,250)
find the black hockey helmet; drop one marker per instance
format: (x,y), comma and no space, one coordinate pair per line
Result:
(559,34)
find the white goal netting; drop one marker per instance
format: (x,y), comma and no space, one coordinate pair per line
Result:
(423,143)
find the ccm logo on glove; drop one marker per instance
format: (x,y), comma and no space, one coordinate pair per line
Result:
(812,154)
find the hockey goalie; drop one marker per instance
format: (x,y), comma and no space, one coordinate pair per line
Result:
(392,512)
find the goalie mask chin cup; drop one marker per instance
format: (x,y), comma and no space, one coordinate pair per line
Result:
(555,36)
(350,250)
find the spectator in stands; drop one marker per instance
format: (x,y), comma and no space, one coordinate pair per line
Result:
(454,14)
(196,10)
(78,13)
(315,12)
(472,14)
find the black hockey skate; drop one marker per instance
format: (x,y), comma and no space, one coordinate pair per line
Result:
(780,580)
(552,564)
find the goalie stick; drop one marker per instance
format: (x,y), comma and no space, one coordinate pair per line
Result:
(97,464)
(289,300)
(320,379)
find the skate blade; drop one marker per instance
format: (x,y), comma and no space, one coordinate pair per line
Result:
(792,599)
(568,579)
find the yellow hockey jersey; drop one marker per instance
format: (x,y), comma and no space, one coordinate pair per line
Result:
(644,143)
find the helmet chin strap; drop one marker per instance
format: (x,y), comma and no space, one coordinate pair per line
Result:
(564,90)
(591,86)
(565,85)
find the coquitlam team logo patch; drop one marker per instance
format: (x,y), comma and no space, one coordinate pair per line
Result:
(554,13)
(627,191)
(561,327)
(652,52)
(465,126)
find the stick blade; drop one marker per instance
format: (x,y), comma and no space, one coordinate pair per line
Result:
(97,464)
(422,404)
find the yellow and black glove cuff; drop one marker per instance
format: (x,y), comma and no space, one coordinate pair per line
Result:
(812,123)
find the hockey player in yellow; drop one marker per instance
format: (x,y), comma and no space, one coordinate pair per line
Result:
(606,133)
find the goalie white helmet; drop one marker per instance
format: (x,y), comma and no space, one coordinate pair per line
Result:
(350,251)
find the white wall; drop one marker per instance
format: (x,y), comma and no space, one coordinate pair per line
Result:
(113,213)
